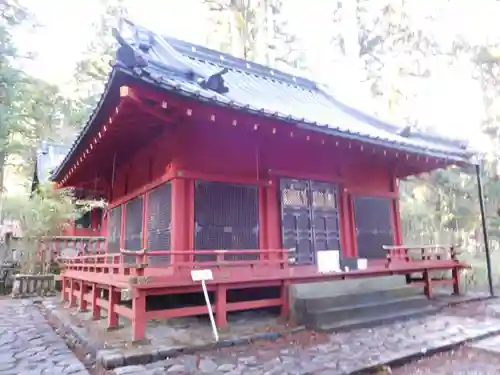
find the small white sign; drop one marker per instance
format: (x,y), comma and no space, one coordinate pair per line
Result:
(204,275)
(328,261)
(362,263)
(201,275)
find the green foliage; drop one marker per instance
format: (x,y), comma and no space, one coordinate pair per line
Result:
(92,70)
(47,213)
(255,30)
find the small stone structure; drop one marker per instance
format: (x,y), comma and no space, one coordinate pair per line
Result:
(33,285)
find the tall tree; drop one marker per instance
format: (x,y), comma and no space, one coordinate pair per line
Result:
(92,70)
(12,15)
(255,30)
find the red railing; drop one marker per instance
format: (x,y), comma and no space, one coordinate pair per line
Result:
(134,262)
(406,254)
(54,247)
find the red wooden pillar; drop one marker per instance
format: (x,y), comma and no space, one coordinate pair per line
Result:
(349,225)
(396,214)
(139,316)
(82,306)
(262,219)
(113,300)
(96,308)
(180,217)
(345,220)
(273,216)
(221,306)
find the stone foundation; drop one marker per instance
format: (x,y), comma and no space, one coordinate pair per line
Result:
(33,286)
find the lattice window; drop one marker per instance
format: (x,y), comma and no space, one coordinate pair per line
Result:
(133,224)
(295,197)
(114,229)
(227,218)
(159,221)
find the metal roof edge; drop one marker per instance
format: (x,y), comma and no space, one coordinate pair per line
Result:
(88,125)
(458,156)
(387,126)
(195,51)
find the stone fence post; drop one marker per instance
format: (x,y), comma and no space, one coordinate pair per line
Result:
(33,286)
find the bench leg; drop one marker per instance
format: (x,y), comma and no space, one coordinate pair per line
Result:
(427,284)
(455,274)
(72,289)
(96,308)
(221,306)
(113,300)
(139,316)
(82,302)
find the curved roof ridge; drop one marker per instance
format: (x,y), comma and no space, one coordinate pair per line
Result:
(195,51)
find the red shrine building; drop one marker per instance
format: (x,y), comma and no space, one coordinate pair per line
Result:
(210,161)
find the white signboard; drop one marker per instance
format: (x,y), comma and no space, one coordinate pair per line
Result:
(328,261)
(205,275)
(362,263)
(200,275)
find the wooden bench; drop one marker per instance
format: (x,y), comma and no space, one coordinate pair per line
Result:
(431,258)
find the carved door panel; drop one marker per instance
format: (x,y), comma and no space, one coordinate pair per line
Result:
(309,218)
(326,232)
(296,225)
(372,216)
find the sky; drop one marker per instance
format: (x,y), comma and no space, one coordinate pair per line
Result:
(451,102)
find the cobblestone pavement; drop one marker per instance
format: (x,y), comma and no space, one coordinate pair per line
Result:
(464,361)
(342,353)
(475,358)
(29,346)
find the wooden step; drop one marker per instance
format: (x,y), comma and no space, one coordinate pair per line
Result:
(364,311)
(351,299)
(375,320)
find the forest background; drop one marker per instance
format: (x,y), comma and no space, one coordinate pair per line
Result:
(433,64)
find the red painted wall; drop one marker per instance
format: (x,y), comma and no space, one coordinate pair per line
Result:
(212,151)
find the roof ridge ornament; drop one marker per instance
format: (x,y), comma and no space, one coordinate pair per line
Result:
(126,54)
(215,82)
(407,131)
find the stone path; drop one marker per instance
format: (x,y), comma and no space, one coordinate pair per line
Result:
(467,360)
(343,353)
(29,346)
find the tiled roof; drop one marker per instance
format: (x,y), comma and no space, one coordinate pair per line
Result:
(192,70)
(180,66)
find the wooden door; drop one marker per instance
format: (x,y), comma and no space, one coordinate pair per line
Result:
(296,225)
(309,218)
(325,220)
(372,217)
